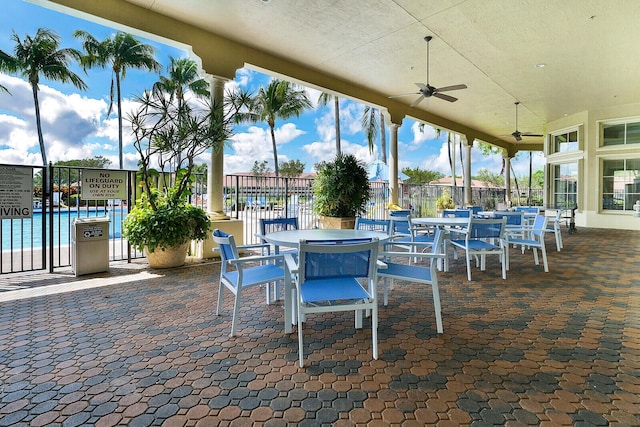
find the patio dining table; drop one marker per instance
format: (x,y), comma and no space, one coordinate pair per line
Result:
(292,238)
(441,221)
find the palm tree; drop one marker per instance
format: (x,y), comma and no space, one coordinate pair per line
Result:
(280,99)
(372,123)
(121,52)
(183,77)
(323,100)
(40,56)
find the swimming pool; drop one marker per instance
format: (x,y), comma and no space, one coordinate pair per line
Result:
(27,233)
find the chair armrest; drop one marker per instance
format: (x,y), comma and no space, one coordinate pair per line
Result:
(254,246)
(387,254)
(291,263)
(257,258)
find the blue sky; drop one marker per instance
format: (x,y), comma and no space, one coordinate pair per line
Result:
(75,125)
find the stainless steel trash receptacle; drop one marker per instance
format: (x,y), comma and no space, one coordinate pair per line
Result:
(90,245)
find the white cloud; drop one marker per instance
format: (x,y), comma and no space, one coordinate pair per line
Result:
(255,145)
(320,151)
(67,123)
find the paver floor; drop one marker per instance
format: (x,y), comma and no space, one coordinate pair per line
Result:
(143,347)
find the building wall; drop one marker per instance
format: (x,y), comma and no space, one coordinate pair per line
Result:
(589,157)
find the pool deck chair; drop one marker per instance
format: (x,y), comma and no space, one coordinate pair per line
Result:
(327,279)
(237,273)
(380,225)
(553,226)
(483,237)
(534,240)
(395,269)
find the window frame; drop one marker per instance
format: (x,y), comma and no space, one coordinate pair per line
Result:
(628,199)
(615,122)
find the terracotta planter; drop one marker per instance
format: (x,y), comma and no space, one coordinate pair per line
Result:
(168,258)
(328,222)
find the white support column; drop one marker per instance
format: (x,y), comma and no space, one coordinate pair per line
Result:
(393,163)
(215,177)
(507,180)
(468,143)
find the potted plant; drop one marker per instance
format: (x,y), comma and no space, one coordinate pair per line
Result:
(171,135)
(445,201)
(341,191)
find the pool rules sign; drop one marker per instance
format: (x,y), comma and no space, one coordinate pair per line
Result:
(16,192)
(104,185)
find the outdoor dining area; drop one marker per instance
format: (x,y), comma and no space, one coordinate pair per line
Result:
(145,347)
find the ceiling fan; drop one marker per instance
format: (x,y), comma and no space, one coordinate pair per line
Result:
(517,134)
(427,91)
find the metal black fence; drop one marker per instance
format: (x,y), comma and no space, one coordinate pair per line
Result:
(249,198)
(44,241)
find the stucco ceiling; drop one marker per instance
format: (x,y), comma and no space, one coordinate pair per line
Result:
(589,49)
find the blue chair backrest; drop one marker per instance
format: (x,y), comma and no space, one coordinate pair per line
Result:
(456,213)
(381,225)
(528,209)
(333,259)
(403,213)
(475,210)
(486,228)
(400,225)
(226,244)
(513,218)
(278,224)
(539,226)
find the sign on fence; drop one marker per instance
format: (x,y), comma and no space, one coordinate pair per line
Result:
(104,185)
(16,192)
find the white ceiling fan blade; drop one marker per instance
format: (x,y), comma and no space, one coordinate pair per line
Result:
(405,94)
(422,86)
(531,134)
(453,87)
(445,97)
(417,101)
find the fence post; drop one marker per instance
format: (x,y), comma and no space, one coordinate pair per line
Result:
(48,208)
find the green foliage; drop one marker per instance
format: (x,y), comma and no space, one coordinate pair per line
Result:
(489,204)
(445,201)
(292,168)
(171,223)
(341,187)
(421,176)
(174,135)
(260,169)
(537,180)
(279,100)
(39,56)
(487,176)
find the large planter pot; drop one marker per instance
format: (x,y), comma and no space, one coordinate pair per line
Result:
(329,222)
(168,258)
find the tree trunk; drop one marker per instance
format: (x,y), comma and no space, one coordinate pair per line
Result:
(119,120)
(275,150)
(39,125)
(383,139)
(336,106)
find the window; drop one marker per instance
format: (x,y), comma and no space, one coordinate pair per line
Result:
(620,133)
(565,185)
(565,142)
(620,184)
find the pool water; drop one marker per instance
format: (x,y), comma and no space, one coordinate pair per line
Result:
(27,233)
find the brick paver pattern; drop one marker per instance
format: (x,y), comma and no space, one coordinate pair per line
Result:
(551,349)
